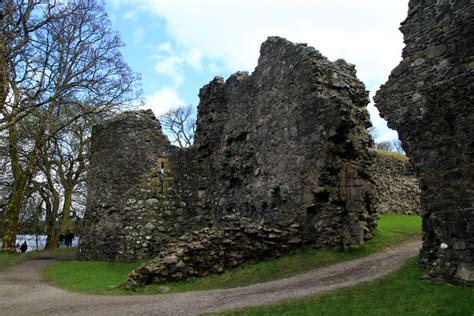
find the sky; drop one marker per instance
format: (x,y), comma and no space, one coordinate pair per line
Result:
(180,45)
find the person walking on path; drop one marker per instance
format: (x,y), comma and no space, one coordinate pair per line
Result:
(69,238)
(24,247)
(61,240)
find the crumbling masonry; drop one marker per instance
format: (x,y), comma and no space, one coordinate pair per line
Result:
(280,159)
(428,99)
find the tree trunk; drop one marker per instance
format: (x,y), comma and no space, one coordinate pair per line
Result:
(21,179)
(52,232)
(38,225)
(20,182)
(3,75)
(12,214)
(66,209)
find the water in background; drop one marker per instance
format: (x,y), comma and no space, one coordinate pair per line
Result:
(31,241)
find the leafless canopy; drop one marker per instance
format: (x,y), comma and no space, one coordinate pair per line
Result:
(180,123)
(60,69)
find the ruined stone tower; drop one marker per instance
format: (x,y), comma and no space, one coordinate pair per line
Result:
(136,199)
(428,99)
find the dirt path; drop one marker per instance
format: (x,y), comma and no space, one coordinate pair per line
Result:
(23,293)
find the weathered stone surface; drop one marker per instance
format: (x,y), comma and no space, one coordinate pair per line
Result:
(129,216)
(212,250)
(283,157)
(396,185)
(289,142)
(428,100)
(280,159)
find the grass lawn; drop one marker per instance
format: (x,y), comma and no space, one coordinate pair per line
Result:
(9,259)
(103,278)
(402,292)
(94,277)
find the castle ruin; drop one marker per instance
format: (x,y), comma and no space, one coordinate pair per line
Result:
(280,159)
(428,100)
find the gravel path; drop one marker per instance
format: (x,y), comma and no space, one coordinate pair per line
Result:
(22,291)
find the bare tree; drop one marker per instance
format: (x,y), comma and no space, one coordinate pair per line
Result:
(397,146)
(64,165)
(67,67)
(180,124)
(32,215)
(390,145)
(19,21)
(384,145)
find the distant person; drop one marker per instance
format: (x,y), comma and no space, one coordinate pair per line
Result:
(61,240)
(24,247)
(69,238)
(17,247)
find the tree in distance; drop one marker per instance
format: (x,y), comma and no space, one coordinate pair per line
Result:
(179,124)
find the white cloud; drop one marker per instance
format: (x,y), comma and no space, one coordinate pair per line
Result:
(138,36)
(383,133)
(193,57)
(170,62)
(229,33)
(162,100)
(165,47)
(363,32)
(131,15)
(117,3)
(170,66)
(387,135)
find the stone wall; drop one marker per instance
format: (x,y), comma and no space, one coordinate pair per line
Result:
(133,208)
(283,156)
(280,159)
(289,142)
(396,185)
(212,250)
(428,100)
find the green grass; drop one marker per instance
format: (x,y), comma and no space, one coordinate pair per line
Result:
(392,230)
(94,277)
(60,250)
(393,154)
(10,259)
(402,292)
(100,277)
